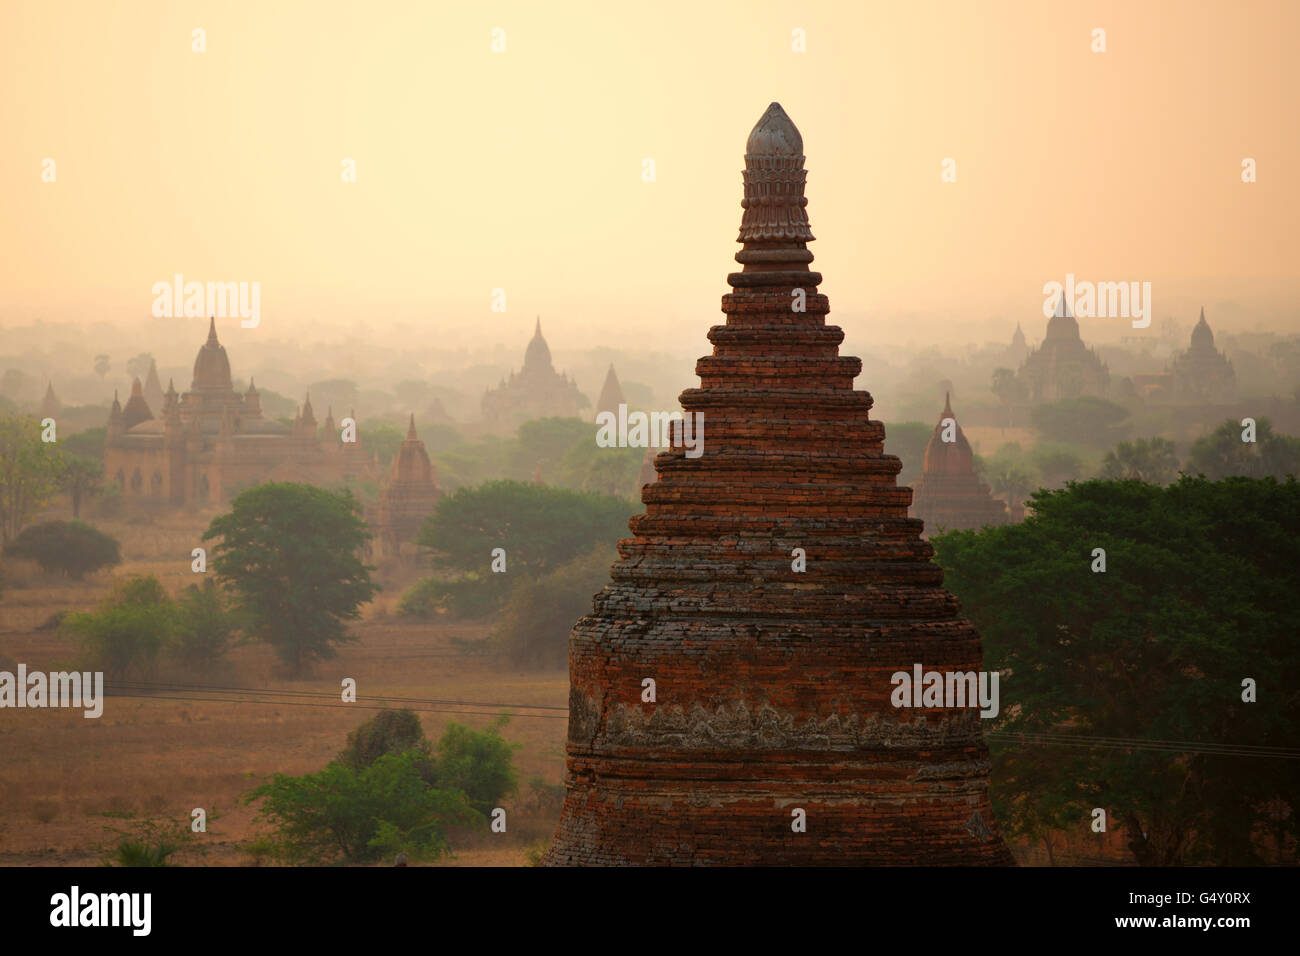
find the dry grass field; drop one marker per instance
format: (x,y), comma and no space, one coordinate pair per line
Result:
(59,772)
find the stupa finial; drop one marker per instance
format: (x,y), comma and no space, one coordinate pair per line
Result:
(774,202)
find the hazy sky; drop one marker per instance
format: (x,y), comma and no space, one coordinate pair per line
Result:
(523,170)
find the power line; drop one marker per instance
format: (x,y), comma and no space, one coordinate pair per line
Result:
(319,695)
(298,703)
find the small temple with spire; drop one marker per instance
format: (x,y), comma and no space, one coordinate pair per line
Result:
(207,444)
(949,495)
(1203,373)
(729,705)
(1062,366)
(536,391)
(409,496)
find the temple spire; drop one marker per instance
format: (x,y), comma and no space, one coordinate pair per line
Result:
(212,331)
(774,200)
(410,429)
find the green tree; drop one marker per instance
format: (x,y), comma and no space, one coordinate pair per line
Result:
(1198,593)
(87,443)
(205,626)
(1088,420)
(29,473)
(544,442)
(71,548)
(290,553)
(1222,453)
(1057,464)
(81,477)
(129,630)
(346,815)
(477,763)
(101,365)
(388,732)
(539,528)
(1154,461)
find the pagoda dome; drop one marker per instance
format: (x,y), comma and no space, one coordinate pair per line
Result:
(211,366)
(944,457)
(538,354)
(1202,336)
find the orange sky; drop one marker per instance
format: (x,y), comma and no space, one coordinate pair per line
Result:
(522,170)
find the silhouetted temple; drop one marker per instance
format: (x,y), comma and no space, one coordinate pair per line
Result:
(1202,373)
(410,495)
(535,391)
(949,495)
(211,442)
(1063,367)
(772,685)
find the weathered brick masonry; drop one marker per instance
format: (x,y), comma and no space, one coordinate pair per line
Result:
(773,686)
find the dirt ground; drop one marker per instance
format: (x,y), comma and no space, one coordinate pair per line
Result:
(163,756)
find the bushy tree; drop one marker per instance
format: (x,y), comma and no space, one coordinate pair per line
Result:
(1056,464)
(388,732)
(127,633)
(1088,420)
(538,526)
(81,477)
(354,815)
(1222,453)
(1198,594)
(538,616)
(477,763)
(205,626)
(71,548)
(29,473)
(1154,461)
(290,553)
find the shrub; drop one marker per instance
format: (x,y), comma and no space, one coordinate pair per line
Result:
(341,814)
(147,842)
(72,548)
(388,732)
(478,763)
(204,626)
(128,631)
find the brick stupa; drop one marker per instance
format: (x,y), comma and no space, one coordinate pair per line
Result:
(949,495)
(772,687)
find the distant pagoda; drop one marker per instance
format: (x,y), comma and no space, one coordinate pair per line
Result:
(949,495)
(1203,373)
(773,685)
(50,404)
(1063,367)
(611,394)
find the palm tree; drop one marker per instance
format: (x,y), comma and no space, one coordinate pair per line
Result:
(1010,482)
